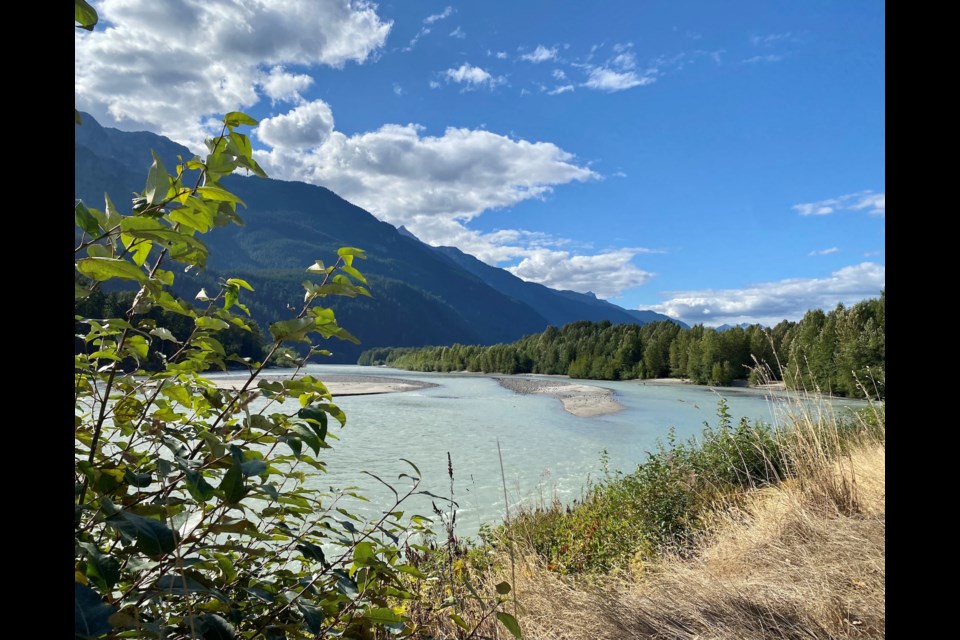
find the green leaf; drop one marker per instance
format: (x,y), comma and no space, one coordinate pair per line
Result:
(503,588)
(312,616)
(312,551)
(86,17)
(510,623)
(90,612)
(353,272)
(411,570)
(213,192)
(102,269)
(363,553)
(382,615)
(158,181)
(213,627)
(127,410)
(460,622)
(164,334)
(198,487)
(206,322)
(152,537)
(237,118)
(85,219)
(240,283)
(239,145)
(226,567)
(141,251)
(295,329)
(104,570)
(318,416)
(231,487)
(344,252)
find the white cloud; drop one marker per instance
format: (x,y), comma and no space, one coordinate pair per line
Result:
(771,302)
(406,177)
(307,125)
(501,55)
(767,58)
(824,252)
(540,54)
(443,15)
(281,86)
(458,33)
(618,72)
(472,77)
(605,274)
(397,89)
(873,203)
(567,88)
(150,67)
(559,74)
(415,39)
(624,60)
(605,79)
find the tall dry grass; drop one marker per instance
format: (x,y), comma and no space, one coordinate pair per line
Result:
(802,558)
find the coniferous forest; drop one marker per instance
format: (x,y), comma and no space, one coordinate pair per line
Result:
(841,352)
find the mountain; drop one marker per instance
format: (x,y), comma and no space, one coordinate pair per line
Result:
(422,295)
(559,307)
(727,327)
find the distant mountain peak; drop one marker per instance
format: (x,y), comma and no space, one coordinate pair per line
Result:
(402,230)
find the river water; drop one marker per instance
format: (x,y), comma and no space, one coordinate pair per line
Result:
(547,452)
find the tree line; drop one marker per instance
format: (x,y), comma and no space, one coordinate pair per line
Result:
(841,352)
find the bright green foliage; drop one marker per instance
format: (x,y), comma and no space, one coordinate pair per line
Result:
(841,352)
(196,514)
(658,506)
(192,516)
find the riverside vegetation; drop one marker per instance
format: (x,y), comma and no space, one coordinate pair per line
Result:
(830,352)
(192,514)
(749,531)
(193,520)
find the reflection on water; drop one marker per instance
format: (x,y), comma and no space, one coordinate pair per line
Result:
(546,451)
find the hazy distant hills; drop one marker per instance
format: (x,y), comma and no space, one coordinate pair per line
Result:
(422,295)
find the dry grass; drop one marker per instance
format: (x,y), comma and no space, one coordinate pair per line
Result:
(802,559)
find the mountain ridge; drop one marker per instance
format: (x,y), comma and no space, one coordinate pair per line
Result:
(422,294)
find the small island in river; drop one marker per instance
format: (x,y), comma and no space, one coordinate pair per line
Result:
(581,400)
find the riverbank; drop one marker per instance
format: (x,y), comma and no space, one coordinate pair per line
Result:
(338,385)
(582,400)
(787,540)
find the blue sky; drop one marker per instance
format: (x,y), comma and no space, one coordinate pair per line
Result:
(719,162)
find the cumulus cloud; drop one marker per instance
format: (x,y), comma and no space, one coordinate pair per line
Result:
(150,67)
(824,252)
(281,86)
(771,302)
(307,125)
(540,54)
(605,274)
(472,77)
(404,176)
(872,203)
(559,74)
